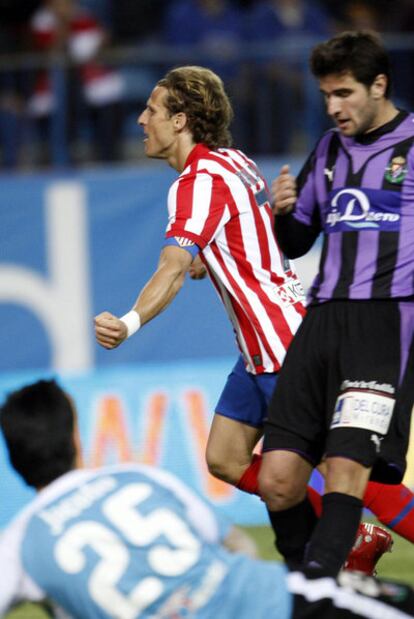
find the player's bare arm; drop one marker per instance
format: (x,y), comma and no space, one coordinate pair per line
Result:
(156,295)
(283,192)
(240,542)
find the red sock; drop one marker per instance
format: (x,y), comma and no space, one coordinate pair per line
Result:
(315,500)
(393,506)
(248,482)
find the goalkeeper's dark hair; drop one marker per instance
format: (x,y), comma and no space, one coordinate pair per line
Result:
(37,422)
(360,53)
(200,94)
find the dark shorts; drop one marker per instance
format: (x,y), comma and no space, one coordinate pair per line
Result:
(245,397)
(346,387)
(359,597)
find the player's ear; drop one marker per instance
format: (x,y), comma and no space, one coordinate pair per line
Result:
(180,120)
(379,86)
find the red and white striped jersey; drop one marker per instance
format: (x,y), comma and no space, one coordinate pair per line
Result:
(221,203)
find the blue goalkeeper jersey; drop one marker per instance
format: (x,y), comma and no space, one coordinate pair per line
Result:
(128,542)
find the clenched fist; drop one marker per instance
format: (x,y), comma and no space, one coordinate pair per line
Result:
(283,192)
(110,332)
(197,270)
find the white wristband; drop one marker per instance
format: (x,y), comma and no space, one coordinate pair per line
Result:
(132,321)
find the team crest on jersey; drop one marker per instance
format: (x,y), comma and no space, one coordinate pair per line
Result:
(396,170)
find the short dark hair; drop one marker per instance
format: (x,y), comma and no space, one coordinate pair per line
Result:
(360,53)
(200,94)
(37,422)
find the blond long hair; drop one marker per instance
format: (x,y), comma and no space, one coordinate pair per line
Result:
(200,94)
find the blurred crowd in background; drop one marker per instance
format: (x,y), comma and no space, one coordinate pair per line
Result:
(74,74)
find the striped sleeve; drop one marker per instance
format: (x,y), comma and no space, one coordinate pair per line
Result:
(197,206)
(314,180)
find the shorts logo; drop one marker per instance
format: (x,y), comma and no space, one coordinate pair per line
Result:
(367,385)
(364,409)
(377,442)
(396,170)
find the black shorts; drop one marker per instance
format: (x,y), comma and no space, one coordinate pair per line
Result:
(358,597)
(346,387)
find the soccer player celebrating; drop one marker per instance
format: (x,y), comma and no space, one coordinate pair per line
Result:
(346,390)
(219,219)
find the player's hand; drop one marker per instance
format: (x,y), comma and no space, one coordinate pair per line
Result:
(197,270)
(283,192)
(110,332)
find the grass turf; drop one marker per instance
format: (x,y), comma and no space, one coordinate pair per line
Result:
(396,565)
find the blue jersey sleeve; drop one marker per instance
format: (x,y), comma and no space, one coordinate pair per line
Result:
(183,243)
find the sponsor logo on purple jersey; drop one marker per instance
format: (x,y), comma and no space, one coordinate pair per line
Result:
(351,208)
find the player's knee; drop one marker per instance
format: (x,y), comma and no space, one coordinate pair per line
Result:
(274,491)
(278,490)
(222,469)
(346,476)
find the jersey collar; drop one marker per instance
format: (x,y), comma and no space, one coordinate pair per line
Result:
(198,152)
(372,136)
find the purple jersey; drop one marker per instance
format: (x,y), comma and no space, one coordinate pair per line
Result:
(360,193)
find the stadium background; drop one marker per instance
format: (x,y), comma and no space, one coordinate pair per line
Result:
(79,235)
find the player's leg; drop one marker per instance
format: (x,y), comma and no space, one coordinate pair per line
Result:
(334,534)
(373,541)
(238,426)
(283,486)
(236,429)
(393,505)
(249,482)
(229,450)
(291,427)
(294,517)
(368,423)
(345,484)
(264,386)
